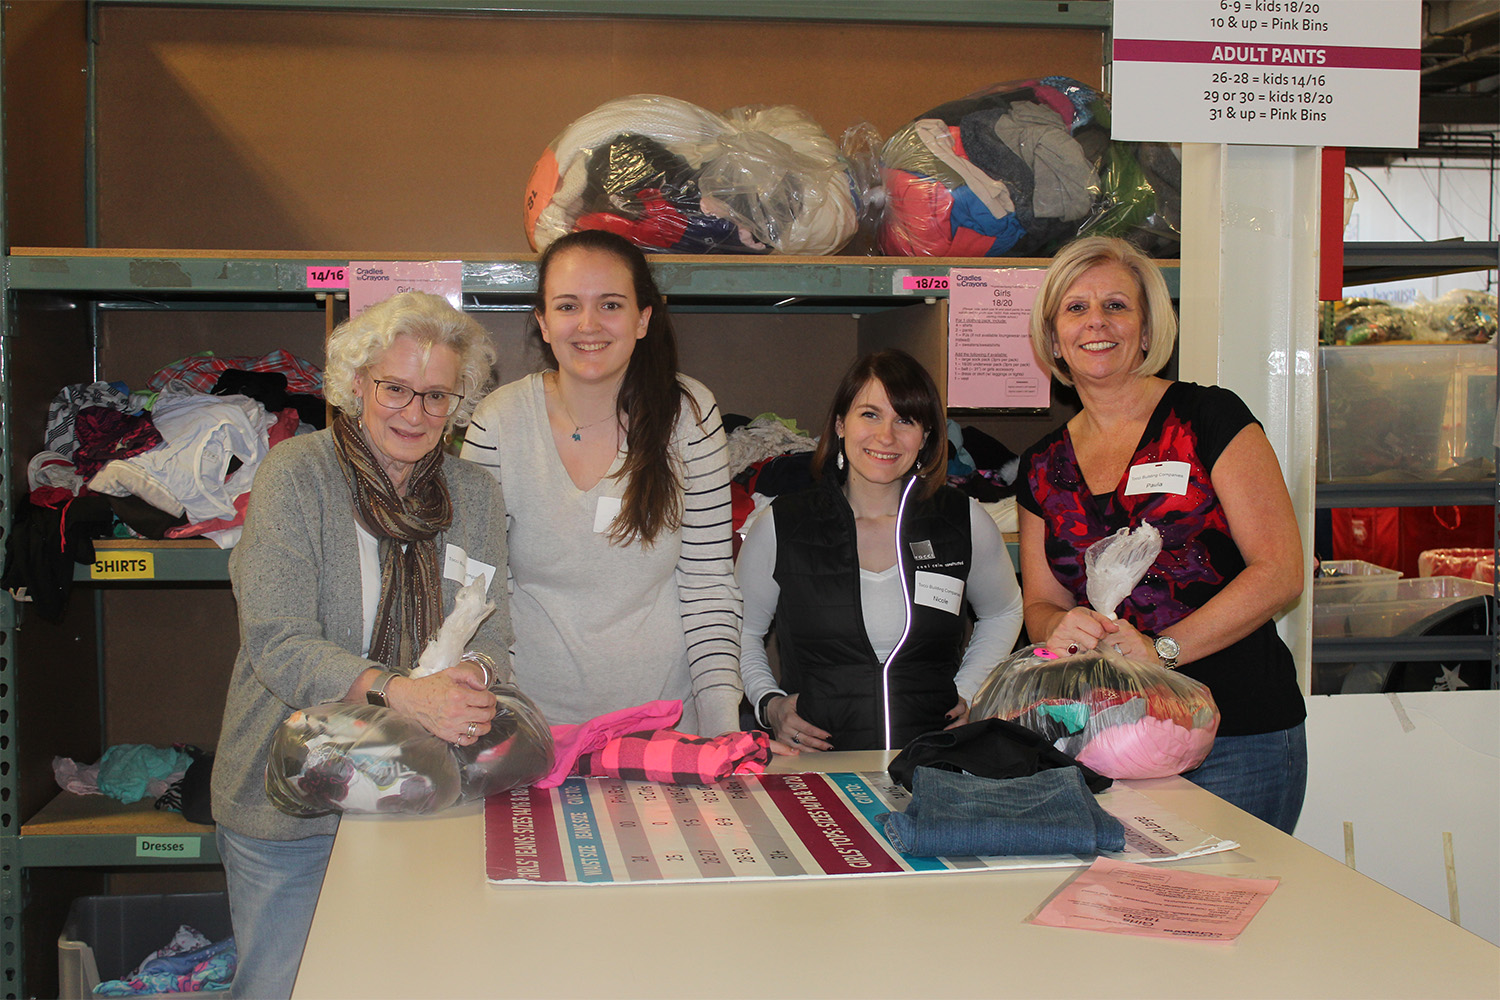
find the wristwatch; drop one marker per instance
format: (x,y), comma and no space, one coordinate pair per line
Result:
(762,705)
(1167,648)
(376,694)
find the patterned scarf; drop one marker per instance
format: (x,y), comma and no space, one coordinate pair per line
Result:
(411,586)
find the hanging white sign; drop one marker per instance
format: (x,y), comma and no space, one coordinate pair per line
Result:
(1267,72)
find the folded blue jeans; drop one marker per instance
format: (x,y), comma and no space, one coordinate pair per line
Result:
(952,814)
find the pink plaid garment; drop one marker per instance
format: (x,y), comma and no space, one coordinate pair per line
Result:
(677,758)
(202,371)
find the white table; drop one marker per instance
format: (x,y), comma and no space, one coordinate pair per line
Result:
(406,912)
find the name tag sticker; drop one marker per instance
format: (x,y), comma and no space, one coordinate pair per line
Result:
(945,593)
(605,513)
(1158,477)
(458,566)
(118,564)
(168,847)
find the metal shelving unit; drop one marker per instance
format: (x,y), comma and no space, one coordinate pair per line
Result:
(1366,263)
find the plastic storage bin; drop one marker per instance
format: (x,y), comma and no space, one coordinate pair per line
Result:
(1414,600)
(1353,581)
(1406,412)
(107,936)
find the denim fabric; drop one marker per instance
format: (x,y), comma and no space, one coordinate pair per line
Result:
(1264,774)
(960,815)
(273,890)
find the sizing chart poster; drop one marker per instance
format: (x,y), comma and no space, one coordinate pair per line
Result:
(608,831)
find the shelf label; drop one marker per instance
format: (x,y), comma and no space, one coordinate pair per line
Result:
(924,283)
(327,277)
(1267,72)
(118,564)
(168,847)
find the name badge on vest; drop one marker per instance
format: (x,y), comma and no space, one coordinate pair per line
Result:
(604,514)
(945,593)
(1158,477)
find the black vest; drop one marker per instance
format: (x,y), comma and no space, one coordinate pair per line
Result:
(826,658)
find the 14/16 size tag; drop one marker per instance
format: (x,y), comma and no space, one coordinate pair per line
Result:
(1158,477)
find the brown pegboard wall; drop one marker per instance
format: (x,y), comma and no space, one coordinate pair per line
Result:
(283,129)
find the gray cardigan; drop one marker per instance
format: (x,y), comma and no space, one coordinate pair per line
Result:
(296,580)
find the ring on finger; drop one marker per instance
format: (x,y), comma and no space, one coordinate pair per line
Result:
(1072,648)
(471,730)
(796,739)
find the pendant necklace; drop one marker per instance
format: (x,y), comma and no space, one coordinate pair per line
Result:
(578,428)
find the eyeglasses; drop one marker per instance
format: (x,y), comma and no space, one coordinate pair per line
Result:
(395,396)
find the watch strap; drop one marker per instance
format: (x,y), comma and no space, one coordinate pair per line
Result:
(762,705)
(376,694)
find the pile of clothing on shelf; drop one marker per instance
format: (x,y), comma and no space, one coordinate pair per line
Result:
(1461,316)
(1020,168)
(671,176)
(173,460)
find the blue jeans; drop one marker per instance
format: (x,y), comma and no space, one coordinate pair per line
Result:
(273,890)
(1264,774)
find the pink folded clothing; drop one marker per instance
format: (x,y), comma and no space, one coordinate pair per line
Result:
(571,742)
(677,758)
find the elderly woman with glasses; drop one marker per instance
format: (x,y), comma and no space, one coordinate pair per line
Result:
(356,541)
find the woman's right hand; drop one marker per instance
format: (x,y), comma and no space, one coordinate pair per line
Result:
(1079,630)
(450,704)
(792,729)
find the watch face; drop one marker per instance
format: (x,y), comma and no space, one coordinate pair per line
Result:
(1167,648)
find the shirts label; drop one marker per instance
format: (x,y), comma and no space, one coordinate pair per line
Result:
(118,564)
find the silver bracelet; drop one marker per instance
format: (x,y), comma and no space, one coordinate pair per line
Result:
(485,663)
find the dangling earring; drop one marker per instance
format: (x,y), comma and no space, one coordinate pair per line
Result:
(839,458)
(918,466)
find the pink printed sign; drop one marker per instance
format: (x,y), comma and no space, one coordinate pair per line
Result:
(371,281)
(990,361)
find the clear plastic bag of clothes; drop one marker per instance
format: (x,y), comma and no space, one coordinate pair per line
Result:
(343,757)
(1121,717)
(1462,315)
(673,177)
(1020,168)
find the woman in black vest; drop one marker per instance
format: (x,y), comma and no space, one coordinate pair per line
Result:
(866,576)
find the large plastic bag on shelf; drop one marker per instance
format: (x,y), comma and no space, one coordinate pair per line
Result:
(343,757)
(1121,717)
(671,176)
(1115,564)
(1020,168)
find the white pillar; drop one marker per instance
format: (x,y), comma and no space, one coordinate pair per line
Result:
(1249,310)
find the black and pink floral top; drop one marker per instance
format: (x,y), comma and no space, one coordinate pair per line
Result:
(1254,680)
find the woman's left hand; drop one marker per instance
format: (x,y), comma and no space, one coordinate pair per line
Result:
(452,704)
(1129,642)
(958,715)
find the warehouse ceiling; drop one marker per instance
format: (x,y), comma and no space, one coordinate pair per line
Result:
(1460,108)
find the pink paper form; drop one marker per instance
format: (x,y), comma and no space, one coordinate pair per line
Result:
(1152,901)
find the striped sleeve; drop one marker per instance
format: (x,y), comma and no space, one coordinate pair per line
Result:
(710,598)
